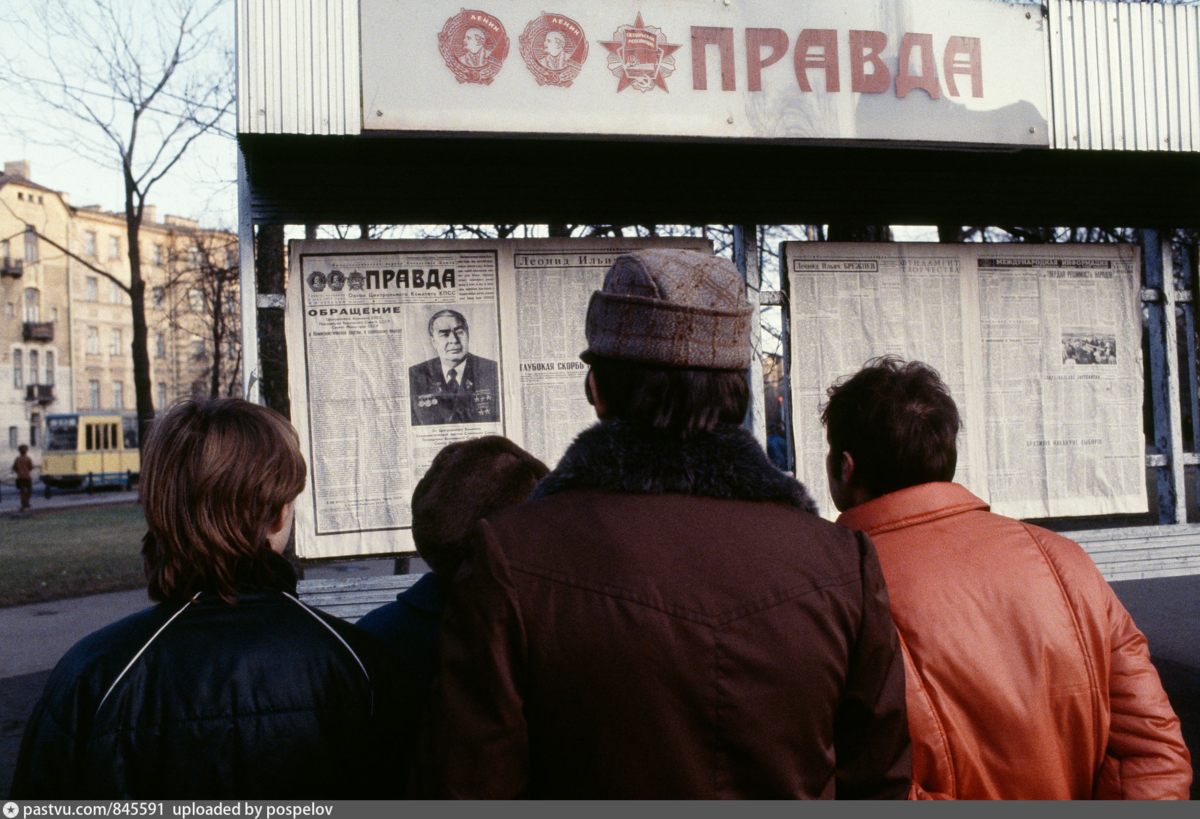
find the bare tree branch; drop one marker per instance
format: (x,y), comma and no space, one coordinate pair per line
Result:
(130,84)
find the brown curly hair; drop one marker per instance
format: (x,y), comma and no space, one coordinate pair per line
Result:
(216,475)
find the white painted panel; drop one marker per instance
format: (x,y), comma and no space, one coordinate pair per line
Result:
(1122,29)
(298,67)
(1061,104)
(1124,76)
(633,69)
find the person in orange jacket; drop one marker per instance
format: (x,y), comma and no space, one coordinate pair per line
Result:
(1025,676)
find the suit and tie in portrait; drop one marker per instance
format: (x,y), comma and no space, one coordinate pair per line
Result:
(456,386)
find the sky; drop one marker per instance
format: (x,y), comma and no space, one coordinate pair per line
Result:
(202,186)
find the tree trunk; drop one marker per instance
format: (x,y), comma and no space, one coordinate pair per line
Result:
(137,295)
(218,322)
(950,233)
(860,233)
(272,346)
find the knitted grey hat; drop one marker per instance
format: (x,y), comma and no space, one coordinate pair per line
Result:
(680,308)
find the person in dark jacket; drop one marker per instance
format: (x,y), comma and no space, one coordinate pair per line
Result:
(466,482)
(667,617)
(230,687)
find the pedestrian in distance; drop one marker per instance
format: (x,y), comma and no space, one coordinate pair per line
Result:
(1026,677)
(667,617)
(230,687)
(23,466)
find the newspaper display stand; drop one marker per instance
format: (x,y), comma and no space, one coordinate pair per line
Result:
(923,112)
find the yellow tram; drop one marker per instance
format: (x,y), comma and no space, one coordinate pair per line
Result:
(90,450)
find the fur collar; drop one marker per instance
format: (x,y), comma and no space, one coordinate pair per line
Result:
(727,463)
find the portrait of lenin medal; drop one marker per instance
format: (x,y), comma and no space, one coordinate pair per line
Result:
(473,45)
(554,48)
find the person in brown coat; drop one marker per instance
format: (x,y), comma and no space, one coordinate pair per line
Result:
(24,466)
(668,617)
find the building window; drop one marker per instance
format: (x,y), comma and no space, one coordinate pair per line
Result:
(231,257)
(93,340)
(18,369)
(195,301)
(5,253)
(91,290)
(94,395)
(8,309)
(162,396)
(117,347)
(49,368)
(12,437)
(159,295)
(158,255)
(197,348)
(114,248)
(118,395)
(33,304)
(33,366)
(31,250)
(114,293)
(54,314)
(160,346)
(89,244)
(35,428)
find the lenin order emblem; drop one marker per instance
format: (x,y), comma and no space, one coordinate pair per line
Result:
(554,48)
(640,56)
(474,45)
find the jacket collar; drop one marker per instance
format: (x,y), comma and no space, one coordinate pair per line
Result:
(427,594)
(907,507)
(727,463)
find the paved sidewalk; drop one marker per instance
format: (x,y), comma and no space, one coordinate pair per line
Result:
(10,500)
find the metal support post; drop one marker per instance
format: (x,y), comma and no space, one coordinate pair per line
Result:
(1193,381)
(745,256)
(786,333)
(1164,375)
(248,288)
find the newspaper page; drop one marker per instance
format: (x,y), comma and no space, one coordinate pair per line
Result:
(394,353)
(553,280)
(1061,330)
(1039,346)
(396,349)
(852,302)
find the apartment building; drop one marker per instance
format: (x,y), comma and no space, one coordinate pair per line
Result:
(35,341)
(67,330)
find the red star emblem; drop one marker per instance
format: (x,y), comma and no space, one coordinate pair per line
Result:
(640,52)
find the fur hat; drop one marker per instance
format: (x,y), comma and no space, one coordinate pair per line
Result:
(466,482)
(678,308)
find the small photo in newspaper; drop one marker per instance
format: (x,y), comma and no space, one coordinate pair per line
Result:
(1082,347)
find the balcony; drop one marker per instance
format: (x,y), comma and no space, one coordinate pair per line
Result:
(39,331)
(41,393)
(12,267)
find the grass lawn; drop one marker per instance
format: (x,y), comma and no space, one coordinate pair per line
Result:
(70,553)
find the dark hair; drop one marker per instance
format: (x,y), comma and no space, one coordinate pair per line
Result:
(448,312)
(216,474)
(22,449)
(897,421)
(466,482)
(677,401)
